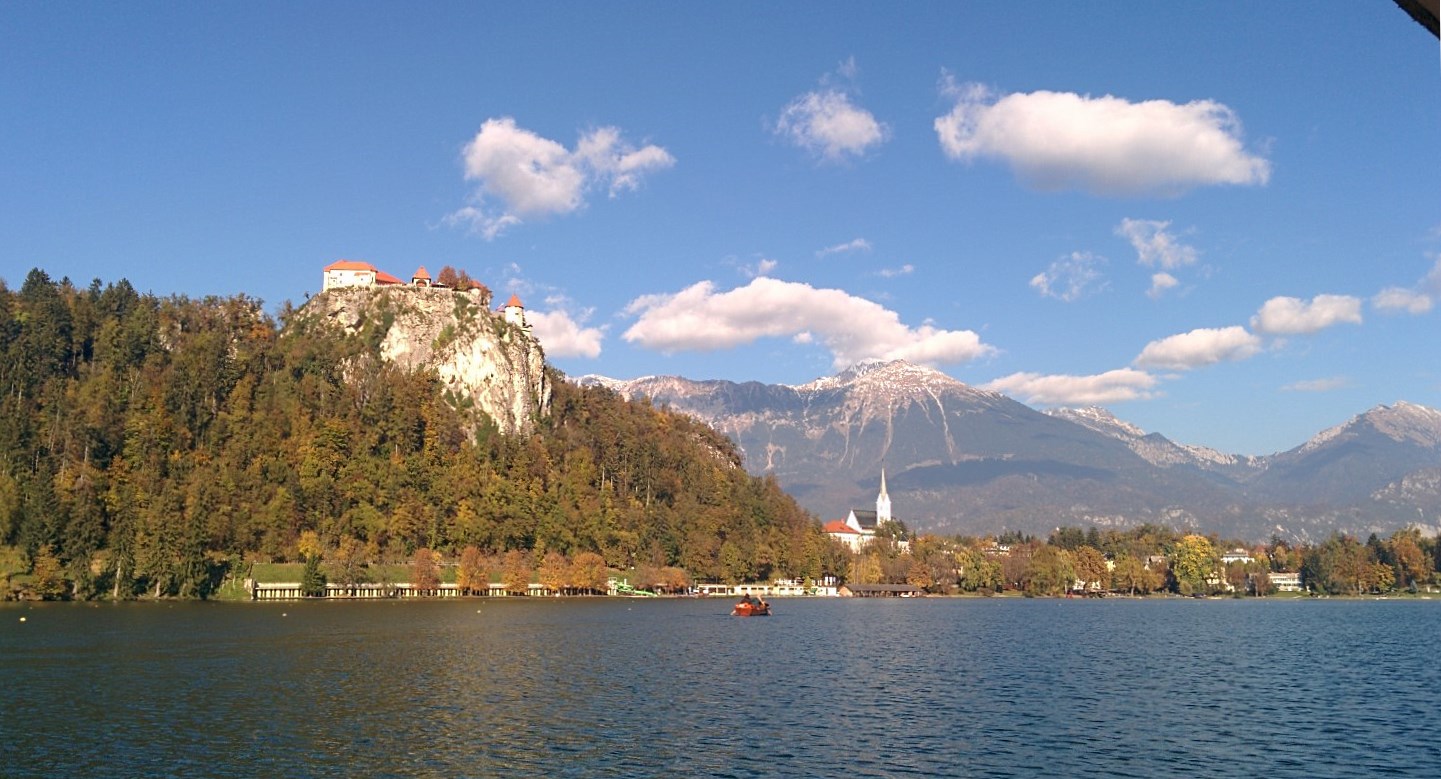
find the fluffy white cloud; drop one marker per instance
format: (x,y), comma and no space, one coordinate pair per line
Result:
(827,124)
(890,273)
(1160,282)
(1204,346)
(853,329)
(856,245)
(1062,390)
(1293,316)
(1071,277)
(1105,145)
(1155,247)
(521,175)
(563,336)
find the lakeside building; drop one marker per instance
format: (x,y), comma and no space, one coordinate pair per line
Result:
(1286,582)
(860,525)
(1236,555)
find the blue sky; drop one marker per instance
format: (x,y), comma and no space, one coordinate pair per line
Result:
(1219,220)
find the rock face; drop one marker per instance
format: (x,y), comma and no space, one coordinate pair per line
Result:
(485,363)
(959,459)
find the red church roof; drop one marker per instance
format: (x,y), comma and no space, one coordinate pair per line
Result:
(839,526)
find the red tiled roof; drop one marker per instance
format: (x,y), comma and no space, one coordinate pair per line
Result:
(514,302)
(838,526)
(421,274)
(349,265)
(381,277)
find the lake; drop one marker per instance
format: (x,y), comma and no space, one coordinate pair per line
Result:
(678,688)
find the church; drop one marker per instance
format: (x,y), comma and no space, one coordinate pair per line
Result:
(860,525)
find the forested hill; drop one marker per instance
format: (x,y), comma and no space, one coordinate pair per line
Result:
(151,446)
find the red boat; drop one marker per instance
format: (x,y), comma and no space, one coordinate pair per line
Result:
(748,609)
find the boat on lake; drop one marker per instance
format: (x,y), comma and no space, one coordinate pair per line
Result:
(749,609)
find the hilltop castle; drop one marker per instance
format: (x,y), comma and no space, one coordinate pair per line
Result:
(355,273)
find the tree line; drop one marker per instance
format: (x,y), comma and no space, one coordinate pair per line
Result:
(1151,559)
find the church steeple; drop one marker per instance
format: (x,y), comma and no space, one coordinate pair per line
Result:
(883,502)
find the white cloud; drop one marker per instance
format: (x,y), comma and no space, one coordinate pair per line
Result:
(1399,299)
(563,336)
(890,273)
(827,124)
(699,318)
(1317,385)
(1415,300)
(1160,282)
(1154,246)
(521,175)
(763,267)
(1062,390)
(1293,316)
(1204,346)
(1071,277)
(1104,145)
(856,245)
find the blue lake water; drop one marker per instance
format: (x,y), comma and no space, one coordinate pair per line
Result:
(677,688)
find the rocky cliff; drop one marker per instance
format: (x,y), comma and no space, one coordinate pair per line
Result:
(486,364)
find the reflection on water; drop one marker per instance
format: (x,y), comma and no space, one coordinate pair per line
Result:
(615,688)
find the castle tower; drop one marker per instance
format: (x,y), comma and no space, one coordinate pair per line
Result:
(515,312)
(883,502)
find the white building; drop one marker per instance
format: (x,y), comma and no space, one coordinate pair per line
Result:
(860,525)
(1286,582)
(514,312)
(353,273)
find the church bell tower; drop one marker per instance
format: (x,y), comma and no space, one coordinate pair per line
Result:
(883,503)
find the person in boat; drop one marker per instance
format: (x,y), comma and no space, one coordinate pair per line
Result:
(761,606)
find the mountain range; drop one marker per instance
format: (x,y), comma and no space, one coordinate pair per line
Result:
(963,460)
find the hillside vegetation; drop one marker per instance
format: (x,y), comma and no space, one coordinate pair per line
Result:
(154,446)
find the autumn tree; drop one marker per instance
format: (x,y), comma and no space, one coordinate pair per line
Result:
(673,579)
(348,561)
(589,572)
(1193,563)
(515,572)
(1129,575)
(1412,565)
(554,572)
(49,579)
(425,570)
(470,575)
(1050,571)
(1091,567)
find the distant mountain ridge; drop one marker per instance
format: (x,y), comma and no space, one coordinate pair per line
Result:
(960,459)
